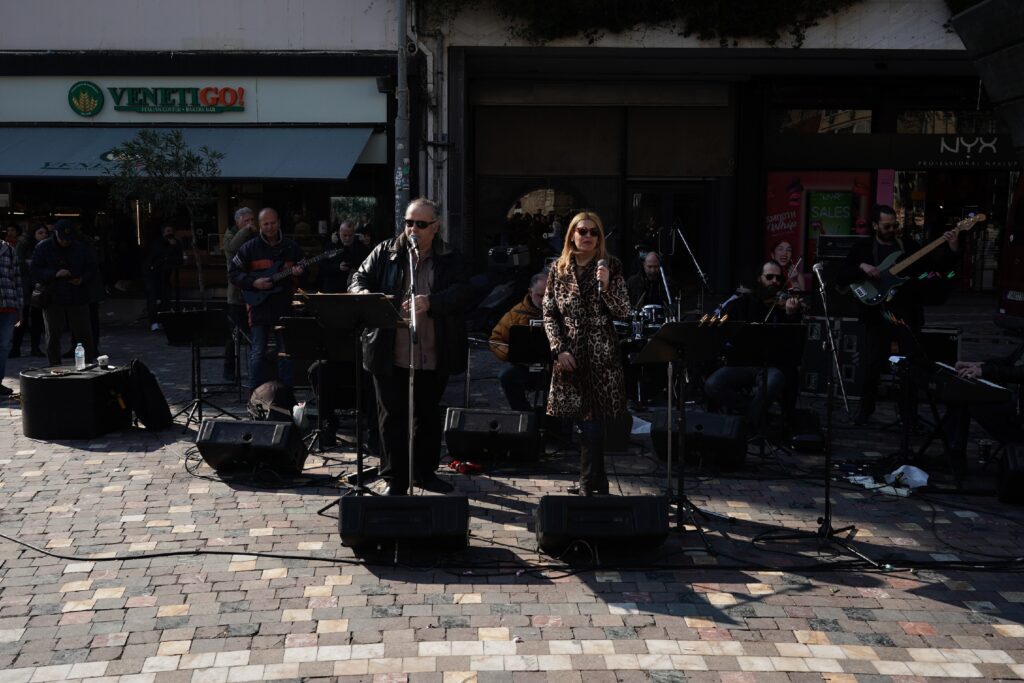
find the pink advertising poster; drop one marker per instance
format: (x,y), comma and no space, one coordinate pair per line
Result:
(802,205)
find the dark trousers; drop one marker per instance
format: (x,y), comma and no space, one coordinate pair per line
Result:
(31,320)
(516,380)
(878,341)
(158,294)
(392,416)
(593,478)
(94,325)
(56,318)
(739,387)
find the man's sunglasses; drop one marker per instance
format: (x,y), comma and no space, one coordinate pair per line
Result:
(771,276)
(593,232)
(410,223)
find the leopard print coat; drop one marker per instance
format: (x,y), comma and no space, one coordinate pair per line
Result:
(578,318)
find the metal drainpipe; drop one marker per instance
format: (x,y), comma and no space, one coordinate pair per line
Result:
(402,156)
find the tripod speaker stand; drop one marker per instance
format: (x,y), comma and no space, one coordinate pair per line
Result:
(196,329)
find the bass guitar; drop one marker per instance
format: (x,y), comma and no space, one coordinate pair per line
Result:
(255,297)
(875,291)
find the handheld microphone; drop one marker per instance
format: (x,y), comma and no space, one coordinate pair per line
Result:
(601,263)
(819,271)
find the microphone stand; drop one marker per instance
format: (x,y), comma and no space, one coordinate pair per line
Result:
(413,342)
(700,272)
(664,284)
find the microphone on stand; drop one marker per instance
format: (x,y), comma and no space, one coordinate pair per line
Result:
(601,263)
(819,271)
(415,242)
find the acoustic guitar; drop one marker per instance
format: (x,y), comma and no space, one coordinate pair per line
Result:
(875,291)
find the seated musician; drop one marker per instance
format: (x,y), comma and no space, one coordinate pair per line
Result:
(1000,420)
(517,379)
(646,288)
(735,387)
(336,271)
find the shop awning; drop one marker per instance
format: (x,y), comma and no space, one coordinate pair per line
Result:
(249,153)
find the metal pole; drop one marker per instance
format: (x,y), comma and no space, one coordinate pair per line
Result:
(402,155)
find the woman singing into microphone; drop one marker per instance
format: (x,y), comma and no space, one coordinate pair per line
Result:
(585,293)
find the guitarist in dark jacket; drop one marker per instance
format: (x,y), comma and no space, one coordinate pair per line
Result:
(879,333)
(252,270)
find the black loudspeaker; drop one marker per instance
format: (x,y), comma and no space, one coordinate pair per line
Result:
(433,521)
(231,445)
(817,361)
(722,439)
(628,522)
(62,403)
(1010,479)
(472,434)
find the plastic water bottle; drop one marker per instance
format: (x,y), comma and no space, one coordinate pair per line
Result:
(79,357)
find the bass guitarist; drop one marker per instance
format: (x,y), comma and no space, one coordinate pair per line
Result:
(906,304)
(252,270)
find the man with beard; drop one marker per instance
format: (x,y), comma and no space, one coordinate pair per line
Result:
(906,306)
(734,386)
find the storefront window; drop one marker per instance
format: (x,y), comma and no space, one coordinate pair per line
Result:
(945,122)
(803,121)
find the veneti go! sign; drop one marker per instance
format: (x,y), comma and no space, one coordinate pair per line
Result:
(86,99)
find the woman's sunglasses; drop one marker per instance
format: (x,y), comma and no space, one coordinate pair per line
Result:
(593,232)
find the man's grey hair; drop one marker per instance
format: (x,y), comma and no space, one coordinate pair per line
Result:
(423,201)
(245,210)
(542,275)
(347,222)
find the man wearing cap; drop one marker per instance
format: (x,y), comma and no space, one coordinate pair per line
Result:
(64,265)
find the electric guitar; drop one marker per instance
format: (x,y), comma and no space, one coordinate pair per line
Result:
(874,291)
(255,297)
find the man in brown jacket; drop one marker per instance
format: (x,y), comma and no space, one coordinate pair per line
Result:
(517,379)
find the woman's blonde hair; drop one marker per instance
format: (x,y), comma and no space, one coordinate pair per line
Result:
(564,261)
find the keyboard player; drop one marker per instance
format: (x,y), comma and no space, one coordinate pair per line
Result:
(998,416)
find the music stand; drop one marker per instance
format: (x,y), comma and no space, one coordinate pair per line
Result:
(766,345)
(528,345)
(695,341)
(306,338)
(196,329)
(351,313)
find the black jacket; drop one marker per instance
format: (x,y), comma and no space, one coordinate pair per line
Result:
(49,257)
(163,257)
(256,255)
(331,277)
(382,272)
(909,299)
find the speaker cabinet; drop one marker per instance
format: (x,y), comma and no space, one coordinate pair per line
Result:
(474,434)
(1010,480)
(628,522)
(432,521)
(73,404)
(722,439)
(231,445)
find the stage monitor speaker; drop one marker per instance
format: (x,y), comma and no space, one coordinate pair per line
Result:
(473,434)
(626,522)
(720,438)
(433,521)
(1010,477)
(232,445)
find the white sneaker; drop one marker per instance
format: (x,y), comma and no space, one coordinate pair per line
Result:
(155,327)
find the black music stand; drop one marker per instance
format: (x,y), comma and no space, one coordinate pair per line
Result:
(196,329)
(528,345)
(766,346)
(352,313)
(695,342)
(306,338)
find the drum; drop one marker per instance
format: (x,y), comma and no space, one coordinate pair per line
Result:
(654,314)
(622,329)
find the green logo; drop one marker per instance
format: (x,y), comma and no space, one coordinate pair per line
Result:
(85,98)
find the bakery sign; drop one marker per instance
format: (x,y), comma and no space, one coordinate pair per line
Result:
(88,99)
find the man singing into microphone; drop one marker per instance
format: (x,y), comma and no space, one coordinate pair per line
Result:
(442,296)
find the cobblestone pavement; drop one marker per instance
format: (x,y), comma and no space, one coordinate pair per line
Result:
(273,595)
